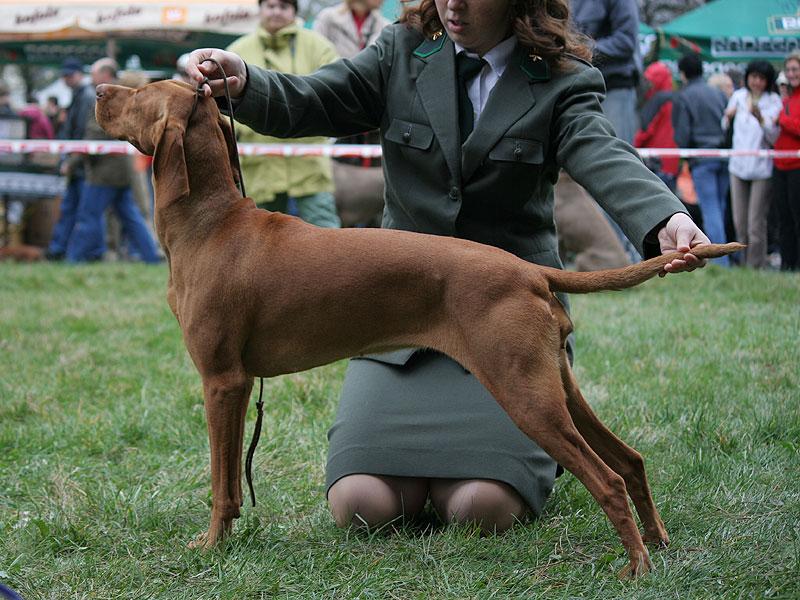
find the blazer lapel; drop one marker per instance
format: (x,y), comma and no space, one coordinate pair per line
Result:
(510,99)
(436,86)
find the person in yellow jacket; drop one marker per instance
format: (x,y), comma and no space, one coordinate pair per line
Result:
(280,44)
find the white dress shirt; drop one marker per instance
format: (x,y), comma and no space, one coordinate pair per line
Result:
(479,88)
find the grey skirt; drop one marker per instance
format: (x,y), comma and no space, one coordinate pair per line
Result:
(421,414)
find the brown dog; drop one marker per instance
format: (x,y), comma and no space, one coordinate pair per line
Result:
(262,294)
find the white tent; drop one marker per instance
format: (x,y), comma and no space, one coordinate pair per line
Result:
(156,31)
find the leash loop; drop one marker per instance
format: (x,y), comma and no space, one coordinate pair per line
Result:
(248,463)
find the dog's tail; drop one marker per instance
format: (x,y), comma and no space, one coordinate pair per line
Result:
(573,282)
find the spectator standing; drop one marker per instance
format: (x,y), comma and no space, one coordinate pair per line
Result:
(697,121)
(783,85)
(73,128)
(614,27)
(737,80)
(39,126)
(5,100)
(351,25)
(13,215)
(54,113)
(656,123)
(752,112)
(282,45)
(723,83)
(108,183)
(786,175)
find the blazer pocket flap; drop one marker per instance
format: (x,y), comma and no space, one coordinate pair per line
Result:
(518,150)
(406,133)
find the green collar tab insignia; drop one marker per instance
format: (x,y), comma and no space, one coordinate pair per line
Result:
(431,45)
(535,67)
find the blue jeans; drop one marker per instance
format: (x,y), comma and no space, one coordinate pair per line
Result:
(619,107)
(88,238)
(66,218)
(711,183)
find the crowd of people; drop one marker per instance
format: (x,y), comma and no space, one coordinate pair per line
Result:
(752,192)
(748,198)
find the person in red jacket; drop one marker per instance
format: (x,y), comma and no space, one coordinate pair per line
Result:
(39,126)
(656,123)
(786,174)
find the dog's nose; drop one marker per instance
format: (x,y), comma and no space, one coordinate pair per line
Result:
(100,90)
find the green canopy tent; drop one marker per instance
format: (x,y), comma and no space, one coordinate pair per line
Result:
(391,9)
(730,33)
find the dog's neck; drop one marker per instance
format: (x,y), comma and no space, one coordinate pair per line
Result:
(212,191)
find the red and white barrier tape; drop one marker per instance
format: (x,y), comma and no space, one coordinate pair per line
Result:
(338,150)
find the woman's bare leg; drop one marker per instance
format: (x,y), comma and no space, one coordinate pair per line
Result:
(495,506)
(370,501)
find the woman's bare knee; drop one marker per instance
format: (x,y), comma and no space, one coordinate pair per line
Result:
(370,501)
(495,506)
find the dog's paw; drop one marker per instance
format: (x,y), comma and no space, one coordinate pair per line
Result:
(658,542)
(639,565)
(206,541)
(658,537)
(200,542)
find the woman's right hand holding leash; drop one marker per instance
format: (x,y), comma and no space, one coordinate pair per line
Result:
(199,68)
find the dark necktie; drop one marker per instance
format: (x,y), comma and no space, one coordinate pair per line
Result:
(467,68)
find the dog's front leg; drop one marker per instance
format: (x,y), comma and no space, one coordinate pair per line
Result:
(226,398)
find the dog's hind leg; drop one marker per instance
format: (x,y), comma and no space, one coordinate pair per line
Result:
(623,459)
(226,398)
(527,384)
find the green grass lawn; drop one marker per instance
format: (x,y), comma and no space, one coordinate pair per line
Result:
(104,472)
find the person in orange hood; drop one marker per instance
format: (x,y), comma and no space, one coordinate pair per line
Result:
(656,123)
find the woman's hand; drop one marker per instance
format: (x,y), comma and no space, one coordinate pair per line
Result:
(198,68)
(756,112)
(681,234)
(730,113)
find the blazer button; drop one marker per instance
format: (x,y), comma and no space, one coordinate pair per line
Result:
(406,136)
(517,153)
(455,194)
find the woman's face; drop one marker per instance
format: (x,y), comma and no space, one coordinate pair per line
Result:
(756,83)
(276,14)
(792,71)
(477,25)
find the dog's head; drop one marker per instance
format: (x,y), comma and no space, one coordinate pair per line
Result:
(155,119)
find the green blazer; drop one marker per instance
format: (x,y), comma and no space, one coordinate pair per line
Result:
(497,188)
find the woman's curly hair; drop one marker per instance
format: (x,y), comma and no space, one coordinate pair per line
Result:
(543,26)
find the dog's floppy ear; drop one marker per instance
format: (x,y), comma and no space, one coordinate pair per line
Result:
(170,177)
(230,144)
